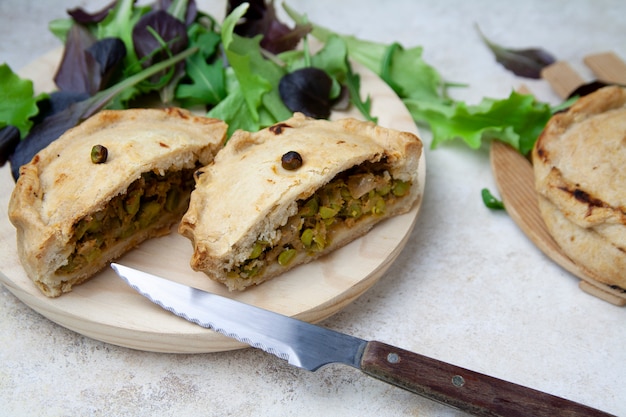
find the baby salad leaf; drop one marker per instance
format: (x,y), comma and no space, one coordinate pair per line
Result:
(239,53)
(308,91)
(119,23)
(18,104)
(76,65)
(80,15)
(42,134)
(402,69)
(204,83)
(421,82)
(353,81)
(88,64)
(184,10)
(257,76)
(522,62)
(158,35)
(207,82)
(9,138)
(517,120)
(235,110)
(260,19)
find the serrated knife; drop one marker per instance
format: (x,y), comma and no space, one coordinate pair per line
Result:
(310,347)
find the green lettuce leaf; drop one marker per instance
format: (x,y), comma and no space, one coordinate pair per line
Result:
(18,104)
(516,120)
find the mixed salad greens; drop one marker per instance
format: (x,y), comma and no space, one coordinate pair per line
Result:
(249,71)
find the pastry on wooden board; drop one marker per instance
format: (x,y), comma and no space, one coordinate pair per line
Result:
(288,194)
(579,165)
(74,214)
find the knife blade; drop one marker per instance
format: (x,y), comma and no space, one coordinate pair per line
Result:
(310,346)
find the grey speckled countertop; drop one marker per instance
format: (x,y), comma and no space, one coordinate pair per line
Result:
(469,288)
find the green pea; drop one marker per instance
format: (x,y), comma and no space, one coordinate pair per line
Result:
(307,237)
(257,250)
(133,202)
(327,212)
(91,255)
(250,272)
(400,188)
(354,209)
(149,212)
(379,205)
(286,256)
(384,189)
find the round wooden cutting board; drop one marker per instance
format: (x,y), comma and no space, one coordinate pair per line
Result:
(106,309)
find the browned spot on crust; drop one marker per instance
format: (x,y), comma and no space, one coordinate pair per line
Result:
(163,145)
(175,111)
(60,178)
(584,197)
(541,152)
(278,128)
(110,116)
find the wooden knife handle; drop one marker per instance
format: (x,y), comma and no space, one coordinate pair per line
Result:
(466,390)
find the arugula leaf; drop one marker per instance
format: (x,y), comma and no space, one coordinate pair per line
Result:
(207,82)
(17,101)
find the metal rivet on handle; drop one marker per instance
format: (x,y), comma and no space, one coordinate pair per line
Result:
(458,381)
(393,358)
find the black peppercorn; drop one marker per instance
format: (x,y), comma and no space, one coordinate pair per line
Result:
(291,160)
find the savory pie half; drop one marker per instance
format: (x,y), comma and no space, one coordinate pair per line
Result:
(73,214)
(295,191)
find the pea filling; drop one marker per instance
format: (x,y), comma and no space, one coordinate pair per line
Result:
(146,201)
(352,196)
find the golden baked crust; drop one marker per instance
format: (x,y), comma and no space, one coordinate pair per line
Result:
(61,187)
(579,171)
(246,198)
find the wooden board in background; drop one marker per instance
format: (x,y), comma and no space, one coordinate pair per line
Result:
(514,176)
